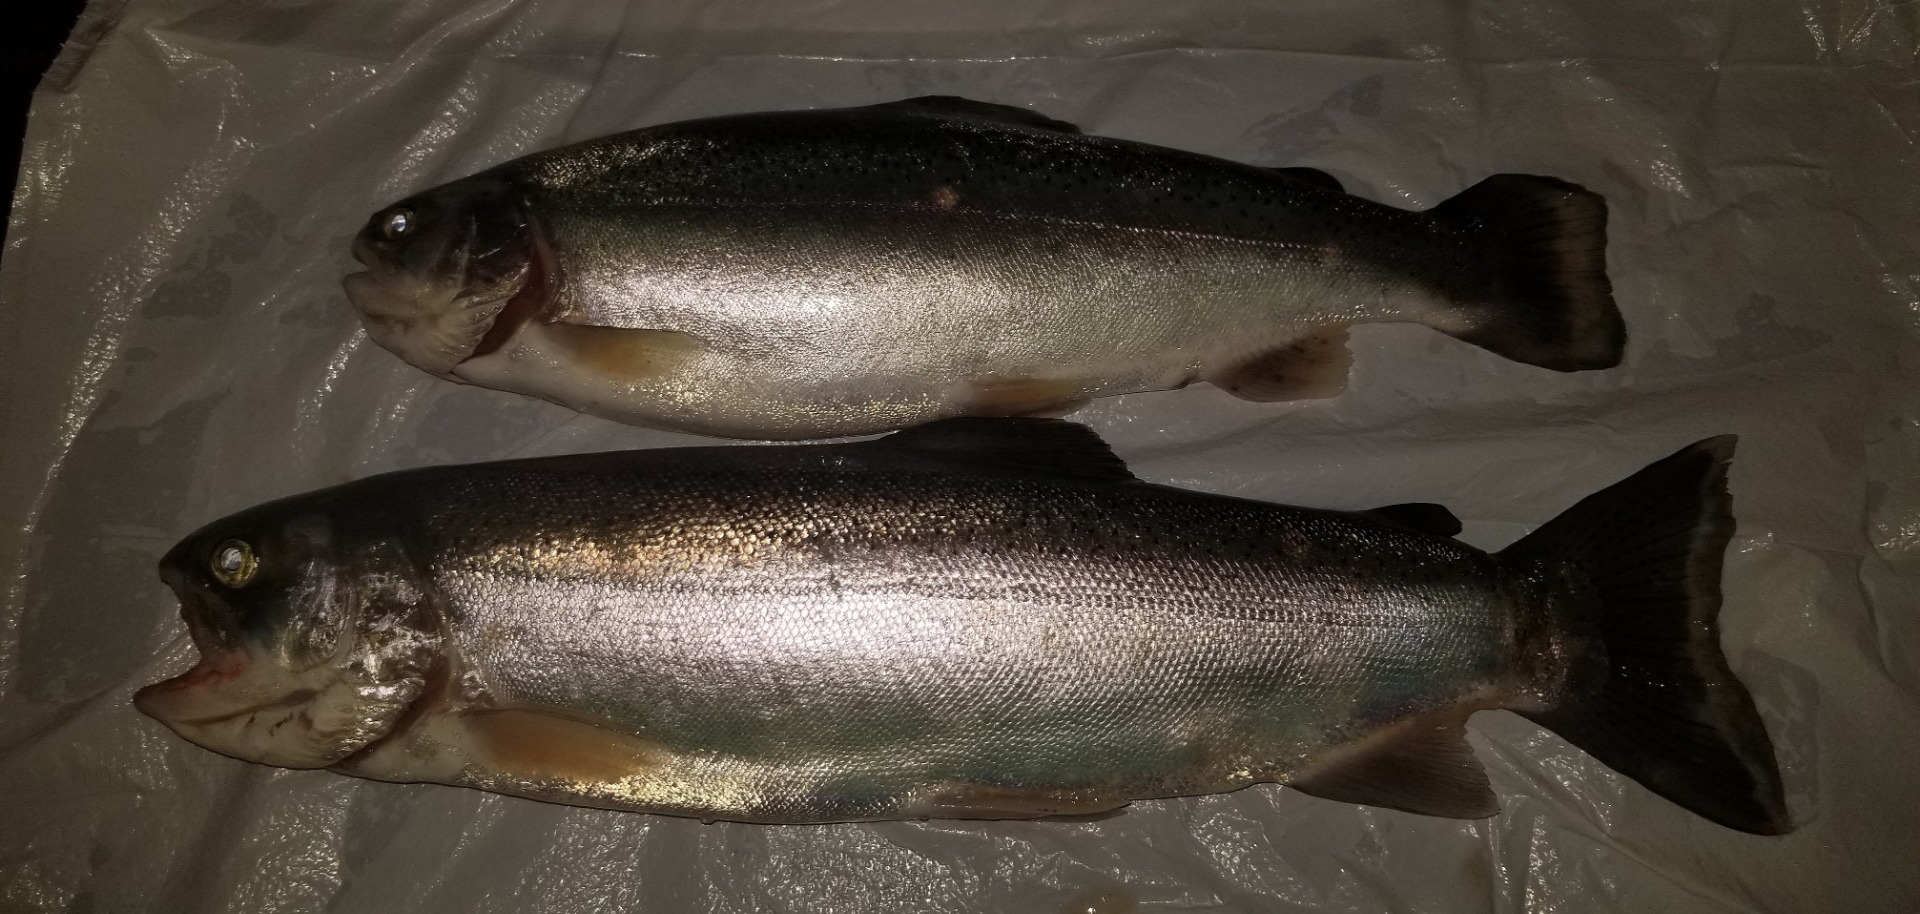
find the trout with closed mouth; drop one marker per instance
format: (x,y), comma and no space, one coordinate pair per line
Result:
(823,273)
(973,619)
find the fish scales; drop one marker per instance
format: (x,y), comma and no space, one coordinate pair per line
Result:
(924,622)
(1162,252)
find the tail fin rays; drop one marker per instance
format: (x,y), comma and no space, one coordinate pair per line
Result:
(1664,709)
(1543,297)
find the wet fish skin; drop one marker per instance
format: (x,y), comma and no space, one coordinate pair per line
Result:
(975,619)
(823,273)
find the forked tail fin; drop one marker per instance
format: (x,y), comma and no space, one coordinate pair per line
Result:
(1664,708)
(1533,283)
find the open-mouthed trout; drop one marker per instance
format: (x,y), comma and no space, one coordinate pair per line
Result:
(836,272)
(978,618)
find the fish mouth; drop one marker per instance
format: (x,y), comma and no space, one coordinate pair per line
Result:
(241,700)
(185,699)
(242,705)
(431,325)
(214,689)
(363,253)
(435,323)
(258,711)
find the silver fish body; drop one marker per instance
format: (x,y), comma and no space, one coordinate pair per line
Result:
(980,619)
(821,273)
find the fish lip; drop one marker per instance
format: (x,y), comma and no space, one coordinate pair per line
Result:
(220,658)
(166,701)
(433,333)
(366,256)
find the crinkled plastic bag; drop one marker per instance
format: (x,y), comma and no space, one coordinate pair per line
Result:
(181,349)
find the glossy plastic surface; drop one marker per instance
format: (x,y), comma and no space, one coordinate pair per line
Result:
(178,347)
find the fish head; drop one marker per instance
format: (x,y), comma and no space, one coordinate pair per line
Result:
(441,268)
(312,645)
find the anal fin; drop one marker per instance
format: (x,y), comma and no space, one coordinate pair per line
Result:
(1420,765)
(987,801)
(1311,367)
(1043,397)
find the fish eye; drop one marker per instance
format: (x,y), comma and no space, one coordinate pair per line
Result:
(397,224)
(233,563)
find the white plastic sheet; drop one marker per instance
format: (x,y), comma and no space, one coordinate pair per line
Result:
(179,348)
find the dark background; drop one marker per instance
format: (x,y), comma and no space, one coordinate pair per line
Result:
(31,38)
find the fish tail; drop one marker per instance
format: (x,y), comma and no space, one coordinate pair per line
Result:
(1538,291)
(1636,567)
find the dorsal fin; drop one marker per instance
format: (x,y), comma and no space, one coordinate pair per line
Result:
(1425,517)
(1045,445)
(1312,176)
(965,107)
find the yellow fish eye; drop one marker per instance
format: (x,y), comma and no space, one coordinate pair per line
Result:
(234,563)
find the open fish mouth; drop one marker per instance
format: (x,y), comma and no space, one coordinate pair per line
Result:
(236,706)
(255,710)
(189,698)
(238,701)
(229,700)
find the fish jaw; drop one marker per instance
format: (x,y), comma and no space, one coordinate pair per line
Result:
(430,323)
(246,708)
(242,700)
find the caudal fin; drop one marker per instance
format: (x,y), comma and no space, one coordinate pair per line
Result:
(1532,285)
(1664,708)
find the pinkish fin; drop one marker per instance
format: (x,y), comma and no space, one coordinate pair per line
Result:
(986,801)
(623,353)
(543,748)
(1045,397)
(1421,765)
(1311,367)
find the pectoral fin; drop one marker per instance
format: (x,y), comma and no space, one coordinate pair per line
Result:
(987,801)
(622,353)
(1047,397)
(535,747)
